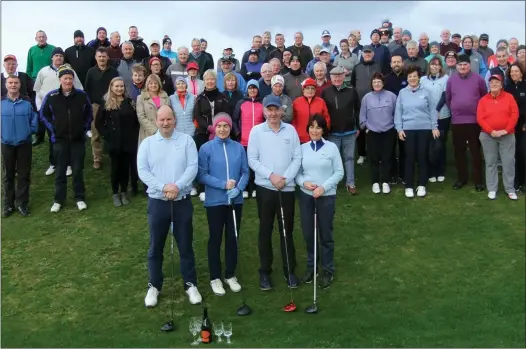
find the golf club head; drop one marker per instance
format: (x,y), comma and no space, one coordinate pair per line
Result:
(168,327)
(289,308)
(313,309)
(244,310)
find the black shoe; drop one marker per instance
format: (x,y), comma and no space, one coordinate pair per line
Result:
(24,211)
(401,180)
(37,142)
(264,282)
(458,185)
(393,181)
(293,282)
(325,279)
(308,277)
(8,211)
(480,187)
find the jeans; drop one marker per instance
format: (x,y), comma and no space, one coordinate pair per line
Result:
(346,146)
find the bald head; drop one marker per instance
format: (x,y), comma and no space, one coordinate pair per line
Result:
(165,121)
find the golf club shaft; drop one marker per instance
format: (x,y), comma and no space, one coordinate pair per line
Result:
(315,245)
(234,217)
(285,240)
(173,259)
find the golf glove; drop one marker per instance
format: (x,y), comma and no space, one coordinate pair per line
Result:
(232,193)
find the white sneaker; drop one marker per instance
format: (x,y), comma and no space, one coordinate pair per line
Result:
(245,195)
(386,188)
(56,207)
(82,205)
(421,191)
(492,195)
(89,134)
(234,285)
(253,194)
(193,294)
(361,160)
(217,287)
(441,178)
(433,179)
(376,188)
(193,192)
(50,170)
(513,196)
(202,196)
(409,193)
(150,300)
(69,171)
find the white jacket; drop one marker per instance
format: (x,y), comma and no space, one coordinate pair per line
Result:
(47,80)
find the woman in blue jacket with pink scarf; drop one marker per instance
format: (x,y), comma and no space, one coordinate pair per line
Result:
(223,169)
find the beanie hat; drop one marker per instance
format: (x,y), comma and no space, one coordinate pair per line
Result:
(57,51)
(65,69)
(434,43)
(502,41)
(153,59)
(167,39)
(408,33)
(78,34)
(221,117)
(180,78)
(308,82)
(463,58)
(101,28)
(253,83)
(375,31)
(278,79)
(521,47)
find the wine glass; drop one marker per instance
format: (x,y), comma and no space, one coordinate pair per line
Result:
(195,327)
(228,332)
(218,331)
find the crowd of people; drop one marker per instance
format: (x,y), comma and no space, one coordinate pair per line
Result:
(281,118)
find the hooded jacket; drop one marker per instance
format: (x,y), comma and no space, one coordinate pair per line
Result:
(141,50)
(19,121)
(81,58)
(303,109)
(119,127)
(247,114)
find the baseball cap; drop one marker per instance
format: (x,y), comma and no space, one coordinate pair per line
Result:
(272,100)
(325,50)
(155,42)
(8,57)
(192,65)
(484,37)
(325,33)
(253,52)
(308,82)
(495,76)
(367,48)
(456,35)
(228,48)
(450,54)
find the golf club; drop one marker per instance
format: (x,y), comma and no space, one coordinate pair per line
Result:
(290,307)
(169,326)
(243,309)
(313,309)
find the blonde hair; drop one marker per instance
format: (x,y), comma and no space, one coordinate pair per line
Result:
(112,102)
(210,73)
(230,76)
(157,80)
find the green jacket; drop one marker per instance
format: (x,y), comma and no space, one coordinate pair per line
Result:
(37,58)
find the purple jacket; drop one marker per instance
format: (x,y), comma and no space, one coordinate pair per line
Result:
(463,95)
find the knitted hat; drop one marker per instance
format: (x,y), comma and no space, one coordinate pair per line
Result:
(277,79)
(57,51)
(78,34)
(65,69)
(434,43)
(165,40)
(463,58)
(180,78)
(101,28)
(375,31)
(408,33)
(502,41)
(153,59)
(221,117)
(253,83)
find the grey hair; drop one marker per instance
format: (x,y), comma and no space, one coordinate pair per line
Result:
(196,39)
(300,33)
(182,48)
(320,64)
(502,49)
(275,60)
(113,33)
(210,73)
(411,43)
(127,42)
(315,47)
(424,35)
(265,66)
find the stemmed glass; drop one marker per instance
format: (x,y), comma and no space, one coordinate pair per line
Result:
(228,332)
(195,327)
(218,331)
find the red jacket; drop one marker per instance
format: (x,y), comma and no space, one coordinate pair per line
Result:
(498,113)
(302,110)
(493,62)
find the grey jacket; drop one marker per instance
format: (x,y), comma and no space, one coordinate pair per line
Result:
(361,77)
(125,72)
(418,61)
(348,63)
(175,70)
(393,46)
(286,103)
(292,86)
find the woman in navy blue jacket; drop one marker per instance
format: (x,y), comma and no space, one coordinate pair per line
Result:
(223,169)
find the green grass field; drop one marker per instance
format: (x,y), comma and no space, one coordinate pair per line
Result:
(443,271)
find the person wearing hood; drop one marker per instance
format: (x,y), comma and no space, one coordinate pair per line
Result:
(247,114)
(202,59)
(294,78)
(226,66)
(101,39)
(326,43)
(381,53)
(483,48)
(300,50)
(478,66)
(277,82)
(140,49)
(305,106)
(155,52)
(155,67)
(39,55)
(434,51)
(80,57)
(195,85)
(167,50)
(115,50)
(223,170)
(316,59)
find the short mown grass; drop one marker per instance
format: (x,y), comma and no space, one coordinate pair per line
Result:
(444,271)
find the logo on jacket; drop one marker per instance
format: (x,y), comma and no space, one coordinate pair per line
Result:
(522,94)
(404,83)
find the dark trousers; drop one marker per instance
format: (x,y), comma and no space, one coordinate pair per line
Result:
(519,159)
(523,141)
(251,186)
(134,173)
(199,140)
(326,208)
(160,221)
(66,153)
(220,219)
(417,151)
(17,163)
(439,169)
(461,134)
(360,144)
(398,163)
(40,135)
(120,170)
(380,147)
(268,209)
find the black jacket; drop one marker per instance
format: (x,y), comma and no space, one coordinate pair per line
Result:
(394,83)
(97,83)
(276,53)
(26,87)
(119,127)
(68,118)
(232,98)
(304,53)
(141,50)
(203,109)
(165,62)
(168,84)
(344,108)
(81,59)
(518,90)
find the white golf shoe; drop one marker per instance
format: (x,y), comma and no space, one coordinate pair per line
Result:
(217,287)
(234,284)
(193,294)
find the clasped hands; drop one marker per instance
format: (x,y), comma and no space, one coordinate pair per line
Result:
(170,191)
(317,190)
(278,181)
(496,134)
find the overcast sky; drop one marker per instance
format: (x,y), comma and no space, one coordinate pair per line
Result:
(225,23)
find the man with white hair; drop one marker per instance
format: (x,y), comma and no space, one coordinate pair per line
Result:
(114,50)
(303,52)
(414,58)
(202,59)
(278,83)
(397,40)
(321,77)
(446,44)
(126,64)
(423,47)
(513,45)
(178,69)
(275,65)
(265,81)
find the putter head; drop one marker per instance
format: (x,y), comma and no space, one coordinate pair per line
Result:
(313,309)
(168,327)
(289,308)
(244,310)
